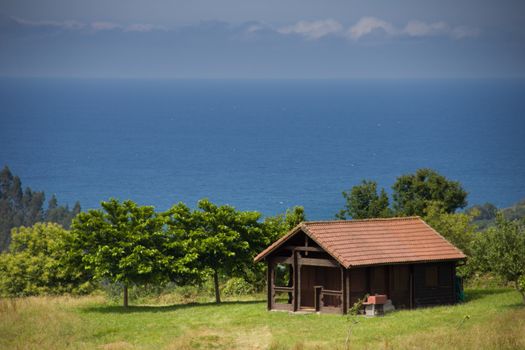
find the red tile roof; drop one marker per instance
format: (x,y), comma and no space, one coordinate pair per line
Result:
(375,241)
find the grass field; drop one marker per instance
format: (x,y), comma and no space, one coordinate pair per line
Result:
(496,321)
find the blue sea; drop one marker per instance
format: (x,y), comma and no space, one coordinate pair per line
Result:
(262,145)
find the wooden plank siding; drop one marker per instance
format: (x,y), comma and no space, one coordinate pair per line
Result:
(429,295)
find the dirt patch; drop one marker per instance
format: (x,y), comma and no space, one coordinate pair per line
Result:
(255,339)
(119,345)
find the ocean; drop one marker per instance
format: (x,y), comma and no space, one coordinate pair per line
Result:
(263,145)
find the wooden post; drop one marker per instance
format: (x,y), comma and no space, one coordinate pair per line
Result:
(411,286)
(348,289)
(344,304)
(270,285)
(317,300)
(297,281)
(306,244)
(295,277)
(387,281)
(368,273)
(454,282)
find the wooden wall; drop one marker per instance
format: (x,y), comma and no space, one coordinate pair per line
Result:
(406,285)
(427,294)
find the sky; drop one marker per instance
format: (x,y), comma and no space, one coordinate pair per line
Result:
(231,39)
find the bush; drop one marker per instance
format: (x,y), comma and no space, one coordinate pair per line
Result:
(38,263)
(237,286)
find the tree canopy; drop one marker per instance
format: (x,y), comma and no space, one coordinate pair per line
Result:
(25,207)
(457,228)
(413,193)
(363,202)
(126,243)
(224,239)
(37,263)
(501,249)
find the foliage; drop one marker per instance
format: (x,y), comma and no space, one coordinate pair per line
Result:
(363,202)
(277,226)
(501,249)
(457,228)
(36,263)
(352,318)
(487,213)
(224,240)
(125,243)
(413,193)
(237,286)
(19,207)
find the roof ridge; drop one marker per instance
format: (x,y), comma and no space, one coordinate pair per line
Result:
(395,218)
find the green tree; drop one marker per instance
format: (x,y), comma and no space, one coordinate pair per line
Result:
(363,202)
(457,228)
(25,207)
(275,227)
(224,239)
(413,193)
(501,249)
(126,244)
(36,264)
(486,211)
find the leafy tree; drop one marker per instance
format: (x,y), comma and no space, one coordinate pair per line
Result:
(501,249)
(455,227)
(487,211)
(224,239)
(363,202)
(25,207)
(275,227)
(413,193)
(60,214)
(36,263)
(126,244)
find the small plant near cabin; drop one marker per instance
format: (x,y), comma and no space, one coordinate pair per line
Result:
(463,320)
(353,312)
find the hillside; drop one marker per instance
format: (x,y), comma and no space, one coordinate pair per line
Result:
(487,213)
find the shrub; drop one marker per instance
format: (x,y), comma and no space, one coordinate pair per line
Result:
(237,286)
(38,263)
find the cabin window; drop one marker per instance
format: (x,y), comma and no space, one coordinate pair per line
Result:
(431,276)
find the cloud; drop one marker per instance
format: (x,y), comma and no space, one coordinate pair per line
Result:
(139,27)
(313,29)
(419,28)
(98,26)
(67,24)
(461,32)
(367,25)
(413,28)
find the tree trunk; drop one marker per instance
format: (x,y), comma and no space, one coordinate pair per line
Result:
(216,283)
(125,295)
(522,292)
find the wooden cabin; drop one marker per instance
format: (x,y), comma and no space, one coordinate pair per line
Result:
(326,266)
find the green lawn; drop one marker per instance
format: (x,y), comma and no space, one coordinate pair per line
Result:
(496,321)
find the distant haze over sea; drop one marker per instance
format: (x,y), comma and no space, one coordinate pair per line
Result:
(261,145)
